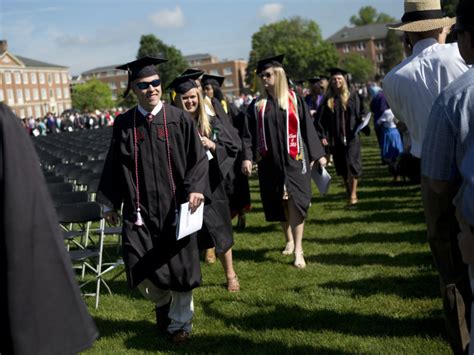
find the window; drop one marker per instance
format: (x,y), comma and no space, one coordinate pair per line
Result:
(59,93)
(19,96)
(29,111)
(41,78)
(57,78)
(379,57)
(361,46)
(228,71)
(35,94)
(37,110)
(66,93)
(51,93)
(380,45)
(114,96)
(112,86)
(44,96)
(11,99)
(123,84)
(60,108)
(228,83)
(1,95)
(27,95)
(109,73)
(64,77)
(8,77)
(50,79)
(22,113)
(214,72)
(345,48)
(17,77)
(25,78)
(33,78)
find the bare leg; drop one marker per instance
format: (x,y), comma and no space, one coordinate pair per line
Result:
(296,222)
(352,181)
(228,265)
(285,226)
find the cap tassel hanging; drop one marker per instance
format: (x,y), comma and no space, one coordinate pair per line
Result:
(139,220)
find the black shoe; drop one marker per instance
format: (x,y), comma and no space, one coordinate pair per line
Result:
(162,320)
(179,337)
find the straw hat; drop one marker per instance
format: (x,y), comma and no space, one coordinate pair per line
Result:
(422,16)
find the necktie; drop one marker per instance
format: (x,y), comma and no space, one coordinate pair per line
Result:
(150,117)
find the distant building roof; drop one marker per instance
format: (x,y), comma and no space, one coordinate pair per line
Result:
(198,56)
(101,69)
(37,64)
(358,33)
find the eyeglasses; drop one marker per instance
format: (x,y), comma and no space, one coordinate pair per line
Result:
(145,84)
(267,75)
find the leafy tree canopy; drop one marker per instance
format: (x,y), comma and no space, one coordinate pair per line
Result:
(393,52)
(92,95)
(368,15)
(306,53)
(361,68)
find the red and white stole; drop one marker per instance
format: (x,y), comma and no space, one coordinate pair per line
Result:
(292,127)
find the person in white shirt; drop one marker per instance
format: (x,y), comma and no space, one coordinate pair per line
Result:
(411,89)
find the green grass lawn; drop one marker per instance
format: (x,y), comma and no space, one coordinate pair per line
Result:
(369,286)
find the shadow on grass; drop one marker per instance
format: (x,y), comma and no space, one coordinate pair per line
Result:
(420,286)
(376,217)
(143,336)
(399,260)
(258,255)
(412,237)
(293,317)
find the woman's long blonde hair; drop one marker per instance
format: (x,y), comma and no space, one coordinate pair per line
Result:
(203,122)
(281,88)
(344,94)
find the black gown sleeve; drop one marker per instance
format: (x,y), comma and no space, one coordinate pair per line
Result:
(226,148)
(308,133)
(249,133)
(112,186)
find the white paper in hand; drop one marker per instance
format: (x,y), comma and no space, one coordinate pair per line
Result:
(364,123)
(322,179)
(188,222)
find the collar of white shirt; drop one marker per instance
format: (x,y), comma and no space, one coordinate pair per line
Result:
(154,112)
(421,45)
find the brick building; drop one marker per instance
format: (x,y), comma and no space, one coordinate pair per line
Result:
(368,40)
(32,88)
(232,70)
(116,79)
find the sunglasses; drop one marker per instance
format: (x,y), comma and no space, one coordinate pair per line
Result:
(267,75)
(146,84)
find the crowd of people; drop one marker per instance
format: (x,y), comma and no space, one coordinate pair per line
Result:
(200,148)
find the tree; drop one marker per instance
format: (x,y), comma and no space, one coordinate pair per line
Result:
(393,53)
(176,64)
(368,15)
(360,68)
(306,53)
(92,95)
(126,102)
(449,7)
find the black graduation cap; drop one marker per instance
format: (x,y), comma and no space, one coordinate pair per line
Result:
(337,71)
(214,80)
(140,68)
(184,83)
(314,80)
(192,71)
(275,61)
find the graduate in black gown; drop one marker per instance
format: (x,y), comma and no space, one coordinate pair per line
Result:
(279,134)
(41,308)
(337,120)
(237,183)
(221,151)
(155,163)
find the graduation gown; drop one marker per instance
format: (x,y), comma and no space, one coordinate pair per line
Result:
(330,125)
(278,168)
(151,251)
(41,308)
(217,219)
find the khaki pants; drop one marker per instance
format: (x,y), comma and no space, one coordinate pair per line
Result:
(443,229)
(181,307)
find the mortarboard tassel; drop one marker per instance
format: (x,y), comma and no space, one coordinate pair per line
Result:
(139,220)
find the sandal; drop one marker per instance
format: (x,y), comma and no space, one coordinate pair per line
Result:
(210,256)
(233,284)
(289,248)
(299,260)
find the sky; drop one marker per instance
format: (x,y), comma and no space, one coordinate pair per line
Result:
(86,34)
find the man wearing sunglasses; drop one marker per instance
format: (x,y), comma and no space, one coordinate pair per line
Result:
(450,142)
(155,163)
